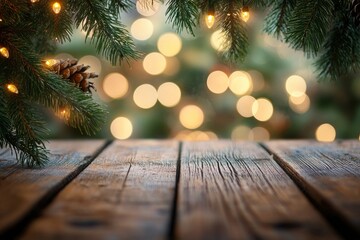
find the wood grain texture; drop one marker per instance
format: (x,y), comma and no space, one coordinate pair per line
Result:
(230,190)
(329,174)
(126,193)
(23,191)
(7,163)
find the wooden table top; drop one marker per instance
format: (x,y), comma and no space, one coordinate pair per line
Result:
(165,189)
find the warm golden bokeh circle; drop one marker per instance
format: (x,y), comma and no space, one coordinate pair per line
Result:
(191,116)
(121,128)
(325,133)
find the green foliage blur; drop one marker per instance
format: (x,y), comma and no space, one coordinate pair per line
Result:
(269,61)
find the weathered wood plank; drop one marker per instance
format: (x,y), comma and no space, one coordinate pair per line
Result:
(23,191)
(329,174)
(234,190)
(7,163)
(126,193)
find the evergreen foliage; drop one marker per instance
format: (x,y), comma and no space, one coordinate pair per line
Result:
(183,14)
(28,31)
(233,29)
(325,29)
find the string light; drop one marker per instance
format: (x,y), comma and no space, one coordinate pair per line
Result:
(51,62)
(4,52)
(245,13)
(12,88)
(34,1)
(209,20)
(56,7)
(64,113)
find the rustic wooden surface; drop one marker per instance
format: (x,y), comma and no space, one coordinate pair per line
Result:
(329,174)
(24,191)
(129,185)
(147,189)
(236,190)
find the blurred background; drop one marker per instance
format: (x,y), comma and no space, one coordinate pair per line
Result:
(182,89)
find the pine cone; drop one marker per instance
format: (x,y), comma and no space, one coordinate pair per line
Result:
(68,69)
(355,11)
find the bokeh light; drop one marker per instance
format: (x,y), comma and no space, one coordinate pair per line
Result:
(298,100)
(240,83)
(115,85)
(217,82)
(121,128)
(198,136)
(169,44)
(191,116)
(262,109)
(145,96)
(295,86)
(217,41)
(172,66)
(259,134)
(64,55)
(257,80)
(142,29)
(244,106)
(169,94)
(154,63)
(299,104)
(211,135)
(325,133)
(93,62)
(187,135)
(144,8)
(240,133)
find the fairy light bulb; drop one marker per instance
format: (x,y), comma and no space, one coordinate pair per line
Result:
(51,62)
(56,7)
(63,112)
(245,13)
(210,17)
(12,88)
(34,1)
(4,52)
(210,20)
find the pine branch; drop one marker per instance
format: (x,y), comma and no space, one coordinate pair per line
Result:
(54,26)
(115,6)
(111,38)
(20,129)
(276,20)
(29,131)
(183,14)
(308,25)
(10,12)
(51,91)
(258,3)
(148,4)
(233,28)
(341,47)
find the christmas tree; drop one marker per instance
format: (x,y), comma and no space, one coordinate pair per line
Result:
(326,30)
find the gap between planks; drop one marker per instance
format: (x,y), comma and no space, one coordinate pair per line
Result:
(173,216)
(52,193)
(233,190)
(145,198)
(19,227)
(322,204)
